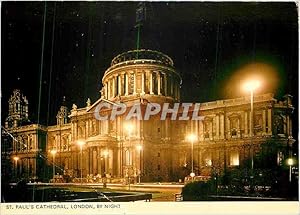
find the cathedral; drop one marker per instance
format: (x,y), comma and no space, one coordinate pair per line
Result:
(81,147)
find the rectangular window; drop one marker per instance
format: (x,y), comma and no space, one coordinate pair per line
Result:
(158,167)
(158,154)
(234,158)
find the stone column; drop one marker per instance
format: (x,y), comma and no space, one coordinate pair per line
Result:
(72,129)
(86,128)
(264,122)
(134,82)
(227,127)
(113,86)
(151,83)
(269,121)
(90,160)
(217,126)
(105,91)
(126,84)
(94,160)
(158,82)
(35,142)
(109,88)
(165,84)
(143,82)
(119,85)
(27,145)
(246,123)
(222,126)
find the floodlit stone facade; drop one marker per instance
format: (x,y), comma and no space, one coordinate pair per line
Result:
(154,149)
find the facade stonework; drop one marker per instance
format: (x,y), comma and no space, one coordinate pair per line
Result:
(154,149)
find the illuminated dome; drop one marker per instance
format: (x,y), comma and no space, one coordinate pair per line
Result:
(141,73)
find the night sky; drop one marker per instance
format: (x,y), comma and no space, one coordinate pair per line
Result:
(214,47)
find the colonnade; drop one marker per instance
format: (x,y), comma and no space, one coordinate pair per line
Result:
(219,126)
(99,160)
(142,82)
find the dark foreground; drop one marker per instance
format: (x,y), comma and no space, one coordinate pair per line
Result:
(22,192)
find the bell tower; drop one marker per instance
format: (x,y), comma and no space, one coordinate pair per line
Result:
(62,114)
(18,110)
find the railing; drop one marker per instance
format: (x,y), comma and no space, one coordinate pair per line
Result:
(142,54)
(237,101)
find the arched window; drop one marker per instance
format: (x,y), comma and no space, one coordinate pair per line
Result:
(80,132)
(234,125)
(207,127)
(127,157)
(278,124)
(65,143)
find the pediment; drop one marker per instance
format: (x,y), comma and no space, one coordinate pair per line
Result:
(99,101)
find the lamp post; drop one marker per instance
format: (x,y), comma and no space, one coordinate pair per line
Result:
(140,148)
(290,162)
(16,158)
(53,152)
(192,138)
(129,128)
(251,86)
(80,143)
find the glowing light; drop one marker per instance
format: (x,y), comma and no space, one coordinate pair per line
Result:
(105,153)
(53,152)
(234,159)
(192,174)
(129,128)
(251,85)
(16,158)
(290,161)
(80,143)
(139,147)
(191,138)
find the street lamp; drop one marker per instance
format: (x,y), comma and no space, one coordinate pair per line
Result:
(192,138)
(53,152)
(129,129)
(16,158)
(140,148)
(290,162)
(80,143)
(251,86)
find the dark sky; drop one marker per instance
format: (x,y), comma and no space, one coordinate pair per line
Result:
(213,45)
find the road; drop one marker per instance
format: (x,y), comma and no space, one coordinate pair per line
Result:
(159,191)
